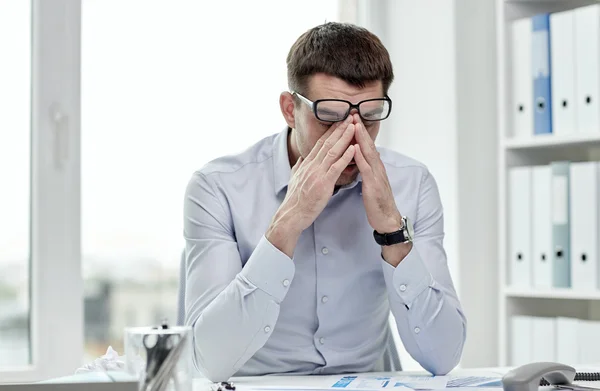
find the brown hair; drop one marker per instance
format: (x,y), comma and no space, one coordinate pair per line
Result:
(343,50)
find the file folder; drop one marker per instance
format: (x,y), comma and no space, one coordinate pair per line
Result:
(562,54)
(561,241)
(585,184)
(521,339)
(522,85)
(542,73)
(587,60)
(543,339)
(520,226)
(567,340)
(588,341)
(542,226)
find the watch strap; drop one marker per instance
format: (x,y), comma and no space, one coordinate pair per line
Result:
(388,239)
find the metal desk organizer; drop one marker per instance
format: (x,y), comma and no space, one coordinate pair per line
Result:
(160,357)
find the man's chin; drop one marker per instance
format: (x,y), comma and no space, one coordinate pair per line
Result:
(348,176)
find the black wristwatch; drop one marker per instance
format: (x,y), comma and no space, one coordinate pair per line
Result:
(403,235)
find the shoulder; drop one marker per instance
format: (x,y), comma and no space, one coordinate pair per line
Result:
(256,154)
(232,167)
(399,164)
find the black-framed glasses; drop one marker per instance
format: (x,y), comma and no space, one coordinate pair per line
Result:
(335,110)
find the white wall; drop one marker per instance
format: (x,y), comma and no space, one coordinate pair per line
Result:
(443,114)
(477,189)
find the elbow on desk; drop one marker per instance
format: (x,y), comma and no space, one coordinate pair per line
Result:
(443,362)
(214,370)
(442,367)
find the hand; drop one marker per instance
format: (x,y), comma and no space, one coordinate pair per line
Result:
(382,213)
(311,185)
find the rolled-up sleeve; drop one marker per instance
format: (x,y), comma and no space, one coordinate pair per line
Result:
(422,297)
(220,295)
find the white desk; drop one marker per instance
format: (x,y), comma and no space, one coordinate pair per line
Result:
(319,380)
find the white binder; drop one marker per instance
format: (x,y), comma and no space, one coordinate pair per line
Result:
(520,226)
(522,82)
(584,188)
(562,38)
(587,68)
(521,344)
(543,339)
(589,351)
(567,340)
(542,226)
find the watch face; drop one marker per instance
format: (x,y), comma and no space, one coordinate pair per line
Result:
(409,228)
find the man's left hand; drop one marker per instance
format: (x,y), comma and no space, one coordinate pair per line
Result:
(382,213)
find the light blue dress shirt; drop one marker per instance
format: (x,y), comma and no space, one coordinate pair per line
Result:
(255,311)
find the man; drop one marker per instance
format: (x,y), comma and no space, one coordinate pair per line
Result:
(297,248)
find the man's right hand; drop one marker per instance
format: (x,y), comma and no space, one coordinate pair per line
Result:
(311,186)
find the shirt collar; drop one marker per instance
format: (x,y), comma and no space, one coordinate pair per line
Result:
(281,164)
(281,161)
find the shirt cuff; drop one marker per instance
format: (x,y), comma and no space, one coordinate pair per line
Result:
(409,279)
(270,270)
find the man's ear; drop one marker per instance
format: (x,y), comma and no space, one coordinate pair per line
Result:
(287,105)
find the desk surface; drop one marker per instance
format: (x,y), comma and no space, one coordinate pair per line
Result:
(319,380)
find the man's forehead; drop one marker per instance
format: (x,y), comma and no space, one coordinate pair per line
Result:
(321,86)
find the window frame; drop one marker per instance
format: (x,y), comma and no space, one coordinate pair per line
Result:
(56,284)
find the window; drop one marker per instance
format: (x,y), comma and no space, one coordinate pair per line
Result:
(166,87)
(15,139)
(41,309)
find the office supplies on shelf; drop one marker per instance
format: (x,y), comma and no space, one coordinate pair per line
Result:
(521,332)
(567,339)
(587,68)
(520,226)
(562,54)
(561,268)
(522,85)
(585,215)
(160,357)
(541,228)
(542,74)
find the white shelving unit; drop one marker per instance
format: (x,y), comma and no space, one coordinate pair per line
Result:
(533,150)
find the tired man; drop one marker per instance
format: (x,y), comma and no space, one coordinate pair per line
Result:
(298,248)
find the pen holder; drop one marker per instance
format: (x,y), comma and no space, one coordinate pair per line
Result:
(160,357)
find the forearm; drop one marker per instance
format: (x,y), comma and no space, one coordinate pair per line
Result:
(428,315)
(230,328)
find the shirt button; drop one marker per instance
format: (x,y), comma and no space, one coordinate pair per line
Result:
(402,287)
(286,282)
(267,329)
(322,341)
(324,299)
(325,250)
(417,330)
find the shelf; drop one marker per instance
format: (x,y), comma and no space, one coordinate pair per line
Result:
(517,9)
(553,141)
(554,293)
